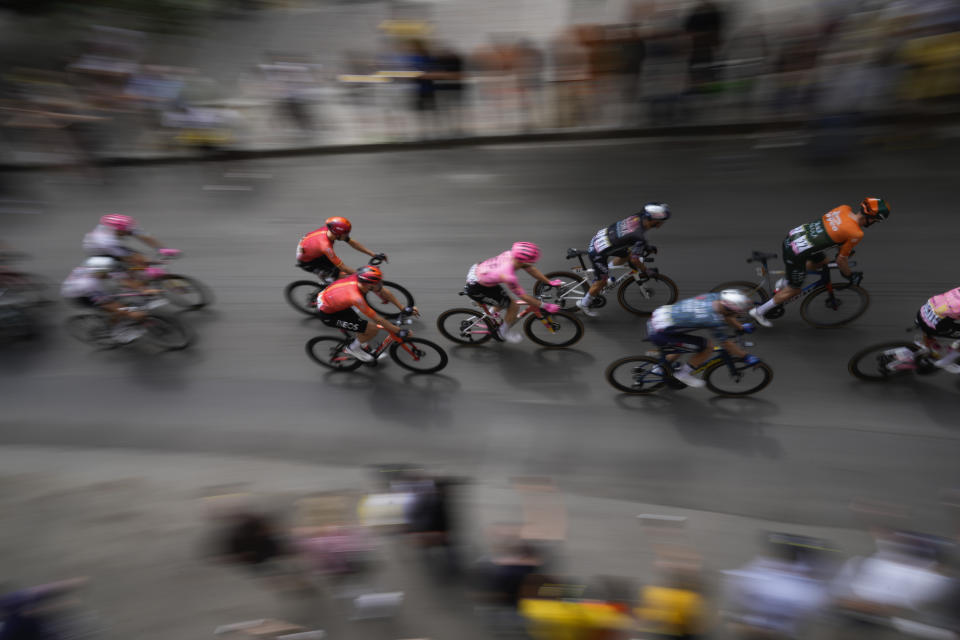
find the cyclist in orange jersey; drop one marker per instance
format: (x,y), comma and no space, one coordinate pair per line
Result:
(337,303)
(315,250)
(804,246)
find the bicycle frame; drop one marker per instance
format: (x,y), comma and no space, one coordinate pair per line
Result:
(390,339)
(823,272)
(719,353)
(489,314)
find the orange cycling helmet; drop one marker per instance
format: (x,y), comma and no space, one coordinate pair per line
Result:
(875,209)
(370,275)
(339,225)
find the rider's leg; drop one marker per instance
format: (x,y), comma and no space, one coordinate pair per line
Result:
(512,311)
(505,331)
(685,373)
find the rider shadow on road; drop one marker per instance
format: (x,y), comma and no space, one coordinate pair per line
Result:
(734,424)
(929,393)
(417,400)
(554,373)
(168,371)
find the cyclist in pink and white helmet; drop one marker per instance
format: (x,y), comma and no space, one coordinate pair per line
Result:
(109,239)
(485,282)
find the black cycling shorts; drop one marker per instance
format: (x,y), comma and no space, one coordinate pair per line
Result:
(347,319)
(321,267)
(85,301)
(945,327)
(599,261)
(494,295)
(678,339)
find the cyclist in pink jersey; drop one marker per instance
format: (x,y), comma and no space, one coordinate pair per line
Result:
(939,317)
(485,280)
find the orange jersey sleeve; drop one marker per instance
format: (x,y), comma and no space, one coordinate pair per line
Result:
(316,244)
(843,229)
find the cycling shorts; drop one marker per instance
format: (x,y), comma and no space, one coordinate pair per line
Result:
(796,264)
(495,295)
(85,301)
(320,266)
(677,338)
(347,319)
(599,261)
(934,326)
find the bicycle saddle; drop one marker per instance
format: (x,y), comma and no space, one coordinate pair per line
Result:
(759,256)
(573,253)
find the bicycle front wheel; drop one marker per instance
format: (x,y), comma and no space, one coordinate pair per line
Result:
(826,309)
(419,355)
(743,380)
(879,362)
(329,352)
(636,374)
(568,294)
(92,328)
(464,326)
(554,329)
(302,296)
(643,296)
(167,333)
(386,308)
(184,291)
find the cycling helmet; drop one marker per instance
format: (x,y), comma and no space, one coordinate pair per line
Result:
(525,252)
(99,264)
(339,225)
(735,300)
(655,211)
(118,221)
(370,275)
(875,209)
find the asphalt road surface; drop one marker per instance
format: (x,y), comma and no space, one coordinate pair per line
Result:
(799,451)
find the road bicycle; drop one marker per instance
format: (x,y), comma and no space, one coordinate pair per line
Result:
(826,304)
(637,292)
(477,326)
(182,291)
(302,294)
(414,354)
(724,374)
(164,332)
(898,358)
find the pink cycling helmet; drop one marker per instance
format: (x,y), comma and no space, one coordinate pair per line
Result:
(525,252)
(119,222)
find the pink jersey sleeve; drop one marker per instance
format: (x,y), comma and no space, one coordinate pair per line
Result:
(947,305)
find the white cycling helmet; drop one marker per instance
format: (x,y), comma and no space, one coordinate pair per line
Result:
(100,263)
(735,300)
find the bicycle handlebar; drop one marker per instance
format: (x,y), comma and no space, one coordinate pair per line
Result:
(380,258)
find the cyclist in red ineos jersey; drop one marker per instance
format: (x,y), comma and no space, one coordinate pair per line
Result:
(315,250)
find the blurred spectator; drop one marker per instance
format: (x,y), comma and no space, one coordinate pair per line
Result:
(33,614)
(705,25)
(529,68)
(292,83)
(431,524)
(905,578)
(777,594)
(571,79)
(664,77)
(450,87)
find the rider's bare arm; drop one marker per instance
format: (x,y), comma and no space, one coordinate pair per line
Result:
(843,263)
(149,240)
(530,300)
(637,263)
(115,308)
(536,275)
(386,324)
(389,297)
(362,249)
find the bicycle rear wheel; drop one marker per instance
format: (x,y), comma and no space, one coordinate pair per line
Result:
(423,356)
(330,352)
(744,380)
(568,294)
(555,330)
(92,328)
(385,308)
(184,291)
(302,296)
(167,333)
(827,309)
(646,294)
(636,374)
(873,363)
(464,326)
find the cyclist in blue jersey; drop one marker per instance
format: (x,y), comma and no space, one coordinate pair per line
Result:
(671,324)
